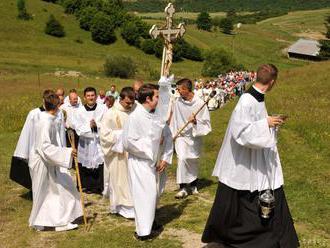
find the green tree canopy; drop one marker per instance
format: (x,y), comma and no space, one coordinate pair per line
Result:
(204,21)
(102,29)
(86,16)
(227,26)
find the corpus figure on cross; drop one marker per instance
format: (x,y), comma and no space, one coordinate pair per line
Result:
(170,35)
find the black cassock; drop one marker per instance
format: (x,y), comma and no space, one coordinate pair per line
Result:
(235,221)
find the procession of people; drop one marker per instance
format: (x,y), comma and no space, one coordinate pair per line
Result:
(123,152)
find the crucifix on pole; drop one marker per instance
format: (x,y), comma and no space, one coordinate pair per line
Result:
(170,35)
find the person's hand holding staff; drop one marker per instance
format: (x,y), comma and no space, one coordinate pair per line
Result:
(74,154)
(192,118)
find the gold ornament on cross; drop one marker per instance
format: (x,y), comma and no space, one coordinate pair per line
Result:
(170,35)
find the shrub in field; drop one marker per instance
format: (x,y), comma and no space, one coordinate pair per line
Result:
(115,9)
(71,6)
(147,46)
(22,12)
(188,51)
(227,26)
(130,33)
(218,61)
(102,29)
(85,17)
(133,30)
(119,66)
(204,21)
(54,27)
(324,49)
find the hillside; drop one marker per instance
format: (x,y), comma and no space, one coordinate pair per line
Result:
(26,49)
(224,5)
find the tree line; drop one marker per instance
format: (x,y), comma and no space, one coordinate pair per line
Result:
(226,5)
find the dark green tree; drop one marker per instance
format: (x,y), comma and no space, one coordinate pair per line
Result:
(115,9)
(22,12)
(54,27)
(193,53)
(147,46)
(324,49)
(218,61)
(227,26)
(158,48)
(204,21)
(130,33)
(71,6)
(86,16)
(102,29)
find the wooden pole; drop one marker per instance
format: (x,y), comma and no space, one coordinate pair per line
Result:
(213,93)
(82,200)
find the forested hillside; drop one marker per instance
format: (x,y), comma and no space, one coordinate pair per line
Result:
(224,5)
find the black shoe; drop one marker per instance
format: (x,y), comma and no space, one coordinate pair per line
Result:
(157,227)
(143,238)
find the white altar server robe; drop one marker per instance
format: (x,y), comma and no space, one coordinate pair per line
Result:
(89,149)
(55,197)
(141,141)
(248,155)
(188,144)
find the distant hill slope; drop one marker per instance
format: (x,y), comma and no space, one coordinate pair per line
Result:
(224,5)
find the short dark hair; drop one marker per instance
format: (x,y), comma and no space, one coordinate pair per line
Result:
(146,90)
(47,92)
(72,91)
(186,83)
(89,89)
(127,92)
(266,73)
(51,101)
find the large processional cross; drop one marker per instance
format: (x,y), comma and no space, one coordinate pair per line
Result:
(170,35)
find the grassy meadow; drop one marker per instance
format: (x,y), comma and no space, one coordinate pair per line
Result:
(28,60)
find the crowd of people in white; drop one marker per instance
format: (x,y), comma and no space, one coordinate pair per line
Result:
(227,86)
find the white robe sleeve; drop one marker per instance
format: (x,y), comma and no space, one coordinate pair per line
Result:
(111,140)
(203,126)
(137,146)
(100,114)
(25,139)
(249,133)
(167,153)
(82,126)
(52,154)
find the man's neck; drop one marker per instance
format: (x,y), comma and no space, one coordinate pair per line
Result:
(261,87)
(147,107)
(52,112)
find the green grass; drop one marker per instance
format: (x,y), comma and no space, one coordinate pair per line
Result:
(302,92)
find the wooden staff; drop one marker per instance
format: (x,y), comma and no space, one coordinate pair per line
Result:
(213,93)
(82,200)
